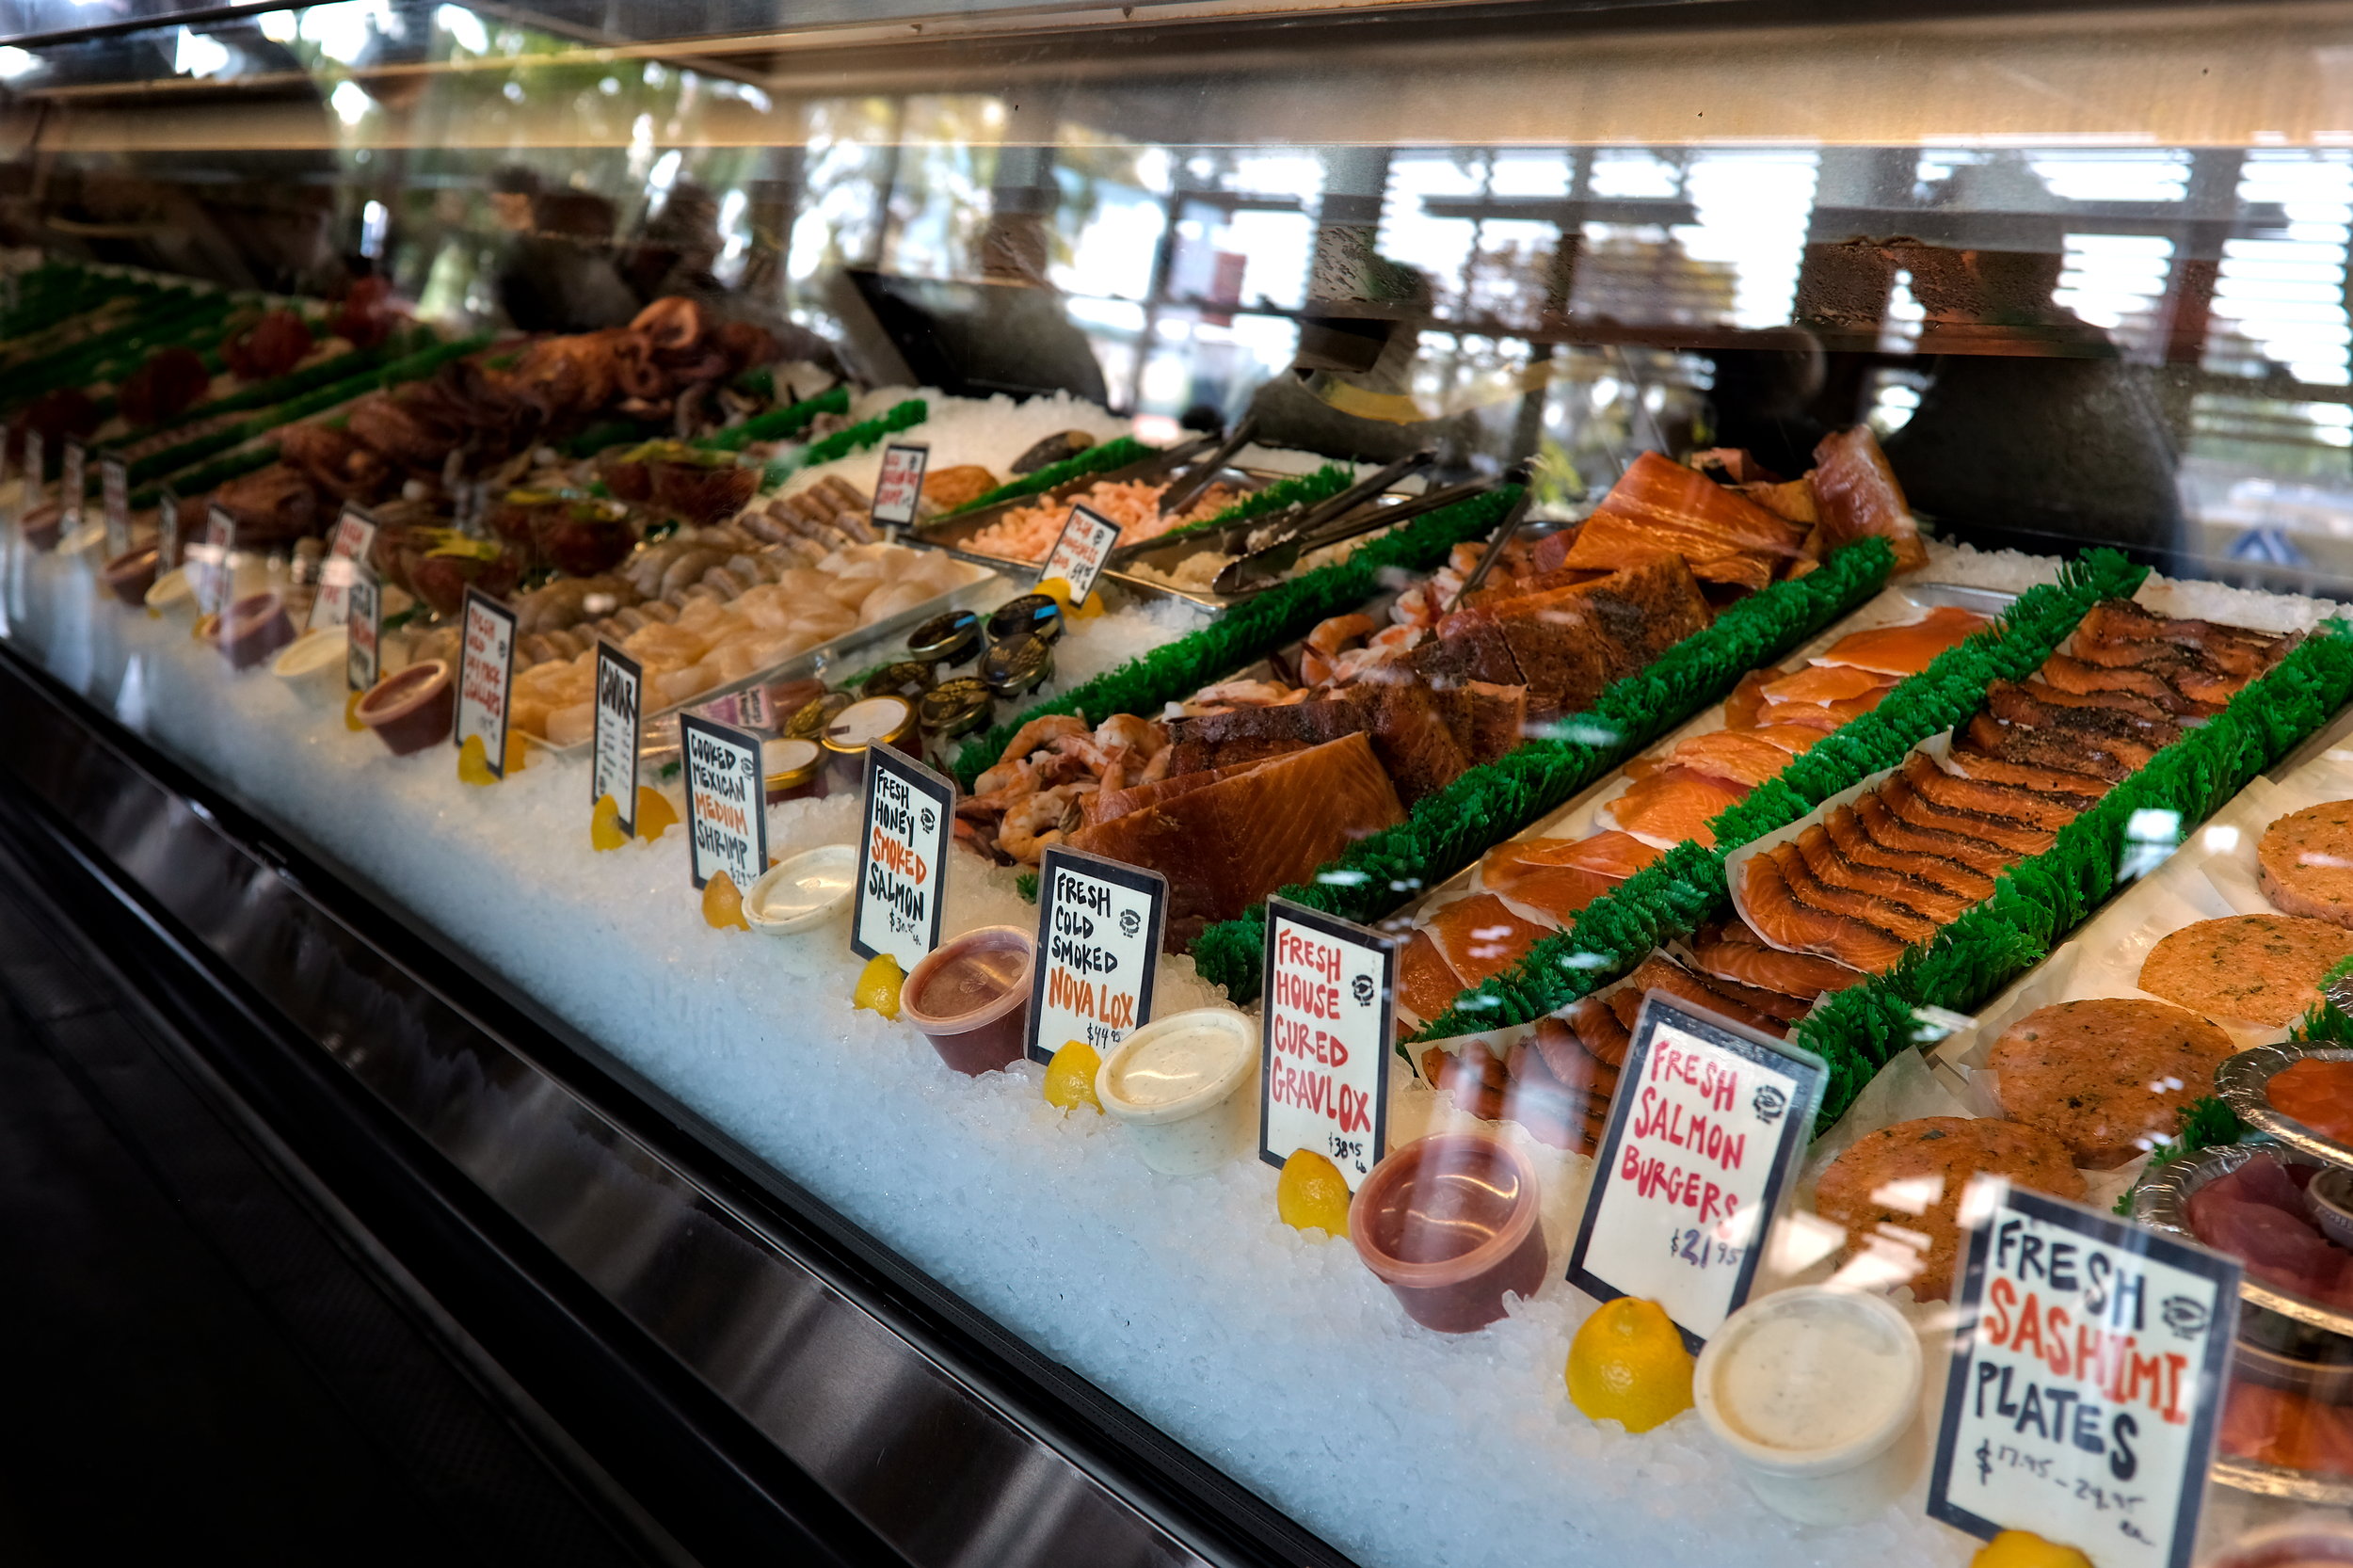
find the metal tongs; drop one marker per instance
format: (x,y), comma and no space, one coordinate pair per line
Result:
(1264,566)
(1517,474)
(1185,491)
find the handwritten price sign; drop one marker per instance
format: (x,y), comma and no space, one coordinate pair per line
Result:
(2085,1380)
(1329,1007)
(901,859)
(1706,1127)
(900,485)
(1087,541)
(1098,941)
(727,808)
(354,535)
(486,673)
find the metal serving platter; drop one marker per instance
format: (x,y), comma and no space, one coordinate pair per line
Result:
(2245,1081)
(950,533)
(2162,1203)
(660,737)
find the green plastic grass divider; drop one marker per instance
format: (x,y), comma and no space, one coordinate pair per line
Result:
(1685,886)
(1104,455)
(1452,828)
(2040,900)
(778,424)
(857,438)
(1252,629)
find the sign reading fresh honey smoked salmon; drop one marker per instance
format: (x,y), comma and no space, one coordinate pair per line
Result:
(1705,1132)
(901,859)
(1328,1010)
(619,733)
(1098,941)
(485,675)
(2086,1382)
(727,806)
(900,485)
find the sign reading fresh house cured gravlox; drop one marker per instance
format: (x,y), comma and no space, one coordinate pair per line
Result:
(900,485)
(354,537)
(1707,1126)
(620,712)
(114,485)
(901,859)
(1098,941)
(485,675)
(1330,1006)
(726,813)
(362,651)
(2086,1382)
(1087,541)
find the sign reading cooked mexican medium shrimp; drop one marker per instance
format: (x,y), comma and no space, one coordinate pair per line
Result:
(486,676)
(365,619)
(1088,538)
(1329,1007)
(354,537)
(2086,1380)
(727,805)
(1705,1130)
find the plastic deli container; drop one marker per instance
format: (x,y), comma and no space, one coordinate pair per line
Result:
(1814,1391)
(129,575)
(1449,1223)
(314,664)
(792,769)
(971,996)
(42,525)
(803,891)
(1178,1083)
(413,710)
(253,628)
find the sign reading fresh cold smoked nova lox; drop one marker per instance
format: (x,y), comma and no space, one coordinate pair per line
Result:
(1329,1005)
(1098,941)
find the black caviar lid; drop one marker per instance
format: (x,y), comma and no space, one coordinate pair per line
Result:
(1019,664)
(957,706)
(947,639)
(1034,615)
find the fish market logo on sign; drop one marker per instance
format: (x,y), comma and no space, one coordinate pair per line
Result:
(2085,1380)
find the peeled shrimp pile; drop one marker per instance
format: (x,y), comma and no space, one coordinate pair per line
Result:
(1051,770)
(1027,533)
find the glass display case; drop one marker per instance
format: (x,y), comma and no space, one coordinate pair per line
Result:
(1234,782)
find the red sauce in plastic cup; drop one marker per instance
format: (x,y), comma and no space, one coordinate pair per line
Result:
(254,628)
(1449,1224)
(971,997)
(413,708)
(129,575)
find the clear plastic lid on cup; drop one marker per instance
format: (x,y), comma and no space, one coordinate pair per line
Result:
(1449,1224)
(971,996)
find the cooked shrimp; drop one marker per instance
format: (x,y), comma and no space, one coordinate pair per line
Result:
(1128,729)
(1238,694)
(1042,820)
(1339,631)
(1018,773)
(1038,734)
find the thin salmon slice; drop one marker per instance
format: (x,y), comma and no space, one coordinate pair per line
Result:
(1824,717)
(1598,1030)
(2039,749)
(1746,699)
(2123,736)
(1736,755)
(2079,788)
(1480,937)
(1774,913)
(2236,649)
(1426,983)
(1858,848)
(1794,739)
(1906,803)
(1661,974)
(1791,974)
(2076,675)
(1822,856)
(1906,649)
(1892,831)
(1825,683)
(1668,808)
(1561,876)
(1887,915)
(2004,802)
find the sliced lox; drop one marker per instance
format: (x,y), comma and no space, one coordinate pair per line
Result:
(1661,974)
(1737,953)
(2004,802)
(1970,762)
(1480,936)
(1825,683)
(1908,650)
(1670,806)
(1822,857)
(2189,672)
(1886,828)
(1889,916)
(1824,717)
(1739,757)
(2121,735)
(1858,848)
(2053,750)
(1905,802)
(2069,674)
(2155,723)
(1773,912)
(2239,650)
(1426,983)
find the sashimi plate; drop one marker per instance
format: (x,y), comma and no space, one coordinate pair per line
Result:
(2245,1081)
(2162,1202)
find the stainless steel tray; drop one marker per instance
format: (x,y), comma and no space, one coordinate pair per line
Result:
(950,533)
(2162,1203)
(1166,554)
(2245,1081)
(810,663)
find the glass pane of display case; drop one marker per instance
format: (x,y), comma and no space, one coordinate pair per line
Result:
(1288,692)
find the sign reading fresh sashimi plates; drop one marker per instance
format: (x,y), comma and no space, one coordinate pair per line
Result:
(486,676)
(354,537)
(1098,941)
(620,711)
(364,622)
(1087,541)
(1330,1006)
(901,859)
(1706,1129)
(2087,1380)
(900,487)
(726,808)
(114,485)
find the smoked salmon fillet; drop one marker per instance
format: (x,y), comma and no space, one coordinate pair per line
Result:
(1773,912)
(1752,963)
(1907,649)
(1856,492)
(1886,828)
(1825,683)
(2006,802)
(1480,937)
(1670,806)
(1739,757)
(1831,868)
(1858,848)
(1560,876)
(1803,885)
(1426,985)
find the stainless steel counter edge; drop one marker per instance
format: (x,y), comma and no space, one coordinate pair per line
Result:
(948,1440)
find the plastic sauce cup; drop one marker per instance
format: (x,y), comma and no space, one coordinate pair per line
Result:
(1178,1086)
(314,666)
(255,627)
(971,996)
(1449,1224)
(412,709)
(129,575)
(1812,1390)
